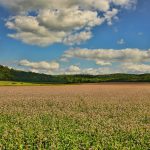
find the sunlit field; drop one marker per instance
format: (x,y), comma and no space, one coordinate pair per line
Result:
(12,83)
(78,117)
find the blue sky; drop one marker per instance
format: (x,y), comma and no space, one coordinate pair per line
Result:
(108,37)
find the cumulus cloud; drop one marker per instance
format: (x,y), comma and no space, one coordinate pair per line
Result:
(68,19)
(121,62)
(136,68)
(43,65)
(78,38)
(103,63)
(91,71)
(98,71)
(62,21)
(125,3)
(28,5)
(74,69)
(108,56)
(55,68)
(109,15)
(107,61)
(51,26)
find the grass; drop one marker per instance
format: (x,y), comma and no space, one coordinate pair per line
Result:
(83,117)
(13,83)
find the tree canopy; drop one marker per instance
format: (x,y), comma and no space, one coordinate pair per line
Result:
(7,74)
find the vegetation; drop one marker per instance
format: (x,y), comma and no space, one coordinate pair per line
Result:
(13,83)
(81,117)
(7,74)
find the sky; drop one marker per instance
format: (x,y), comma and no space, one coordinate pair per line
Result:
(75,37)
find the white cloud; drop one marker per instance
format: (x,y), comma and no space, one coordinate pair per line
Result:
(125,3)
(51,26)
(120,62)
(109,56)
(43,65)
(62,21)
(73,69)
(98,71)
(78,38)
(34,70)
(28,5)
(136,68)
(109,15)
(121,41)
(68,19)
(92,71)
(55,69)
(34,39)
(103,63)
(29,31)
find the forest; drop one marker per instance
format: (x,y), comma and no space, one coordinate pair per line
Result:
(7,74)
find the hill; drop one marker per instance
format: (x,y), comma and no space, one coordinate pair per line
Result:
(7,74)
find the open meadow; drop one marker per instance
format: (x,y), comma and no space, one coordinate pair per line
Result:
(75,117)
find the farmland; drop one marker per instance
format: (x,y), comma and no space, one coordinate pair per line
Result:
(88,117)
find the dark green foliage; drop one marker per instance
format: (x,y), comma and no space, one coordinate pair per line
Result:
(7,74)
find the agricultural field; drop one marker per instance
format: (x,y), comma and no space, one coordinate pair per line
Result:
(75,117)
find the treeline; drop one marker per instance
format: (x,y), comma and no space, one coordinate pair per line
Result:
(7,74)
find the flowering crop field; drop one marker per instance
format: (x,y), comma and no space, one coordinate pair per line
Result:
(75,117)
